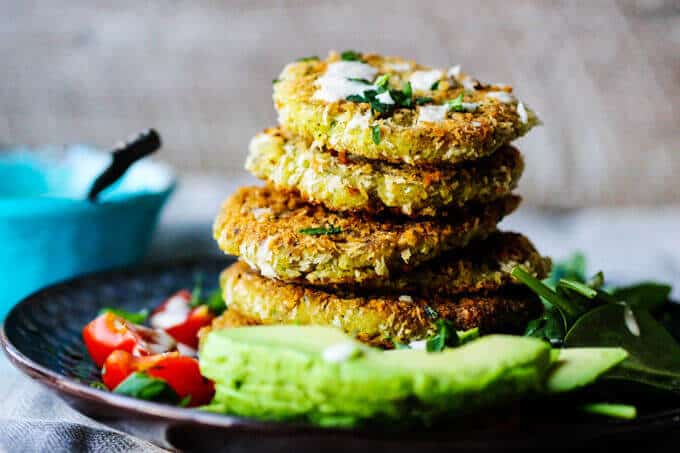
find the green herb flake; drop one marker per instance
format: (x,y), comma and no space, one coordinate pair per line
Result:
(456,104)
(421,100)
(134,317)
(350,55)
(354,79)
(321,231)
(184,402)
(435,86)
(621,411)
(312,58)
(356,98)
(376,134)
(430,312)
(144,387)
(197,291)
(407,89)
(382,82)
(446,336)
(275,81)
(215,302)
(98,385)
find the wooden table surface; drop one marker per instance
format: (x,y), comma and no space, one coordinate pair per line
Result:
(605,76)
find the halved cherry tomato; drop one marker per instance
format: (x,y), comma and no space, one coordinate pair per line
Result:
(181,373)
(179,320)
(109,332)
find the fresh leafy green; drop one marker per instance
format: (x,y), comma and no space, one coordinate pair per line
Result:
(144,387)
(215,302)
(466,336)
(321,231)
(620,317)
(375,133)
(435,85)
(551,326)
(622,411)
(654,354)
(350,55)
(134,317)
(184,402)
(311,58)
(446,336)
(197,291)
(649,295)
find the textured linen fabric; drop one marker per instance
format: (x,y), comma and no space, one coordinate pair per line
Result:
(629,244)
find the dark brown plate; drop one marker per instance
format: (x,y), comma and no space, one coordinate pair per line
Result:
(41,336)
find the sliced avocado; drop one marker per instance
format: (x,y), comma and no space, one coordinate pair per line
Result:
(578,367)
(322,376)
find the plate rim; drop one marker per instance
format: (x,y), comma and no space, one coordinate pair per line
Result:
(64,385)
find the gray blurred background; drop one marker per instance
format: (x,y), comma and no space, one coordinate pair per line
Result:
(604,75)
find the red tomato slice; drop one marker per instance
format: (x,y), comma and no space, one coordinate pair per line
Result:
(109,332)
(179,320)
(181,373)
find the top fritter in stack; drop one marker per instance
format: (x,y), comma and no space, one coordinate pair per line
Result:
(385,182)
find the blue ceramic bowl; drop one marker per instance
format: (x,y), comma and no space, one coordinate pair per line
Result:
(50,232)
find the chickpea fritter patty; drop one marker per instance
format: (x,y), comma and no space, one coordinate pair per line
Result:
(374,319)
(482,266)
(282,236)
(413,114)
(345,183)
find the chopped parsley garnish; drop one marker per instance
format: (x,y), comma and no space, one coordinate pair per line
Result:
(376,134)
(364,81)
(401,98)
(215,302)
(382,82)
(431,312)
(435,86)
(321,231)
(312,58)
(197,291)
(350,55)
(98,385)
(456,104)
(421,100)
(275,81)
(134,317)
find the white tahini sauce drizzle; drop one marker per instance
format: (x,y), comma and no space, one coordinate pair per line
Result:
(335,85)
(469,83)
(174,312)
(359,121)
(522,113)
(454,72)
(405,298)
(385,98)
(423,80)
(469,106)
(341,352)
(432,113)
(501,96)
(398,67)
(631,322)
(419,345)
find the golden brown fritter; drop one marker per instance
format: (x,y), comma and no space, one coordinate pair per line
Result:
(375,319)
(482,266)
(433,125)
(342,182)
(283,237)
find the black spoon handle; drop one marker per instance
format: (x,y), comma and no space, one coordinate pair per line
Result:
(124,156)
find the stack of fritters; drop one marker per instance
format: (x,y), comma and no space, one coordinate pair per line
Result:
(385,184)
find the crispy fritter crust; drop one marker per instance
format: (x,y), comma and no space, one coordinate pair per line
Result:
(264,227)
(346,183)
(483,266)
(374,319)
(461,136)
